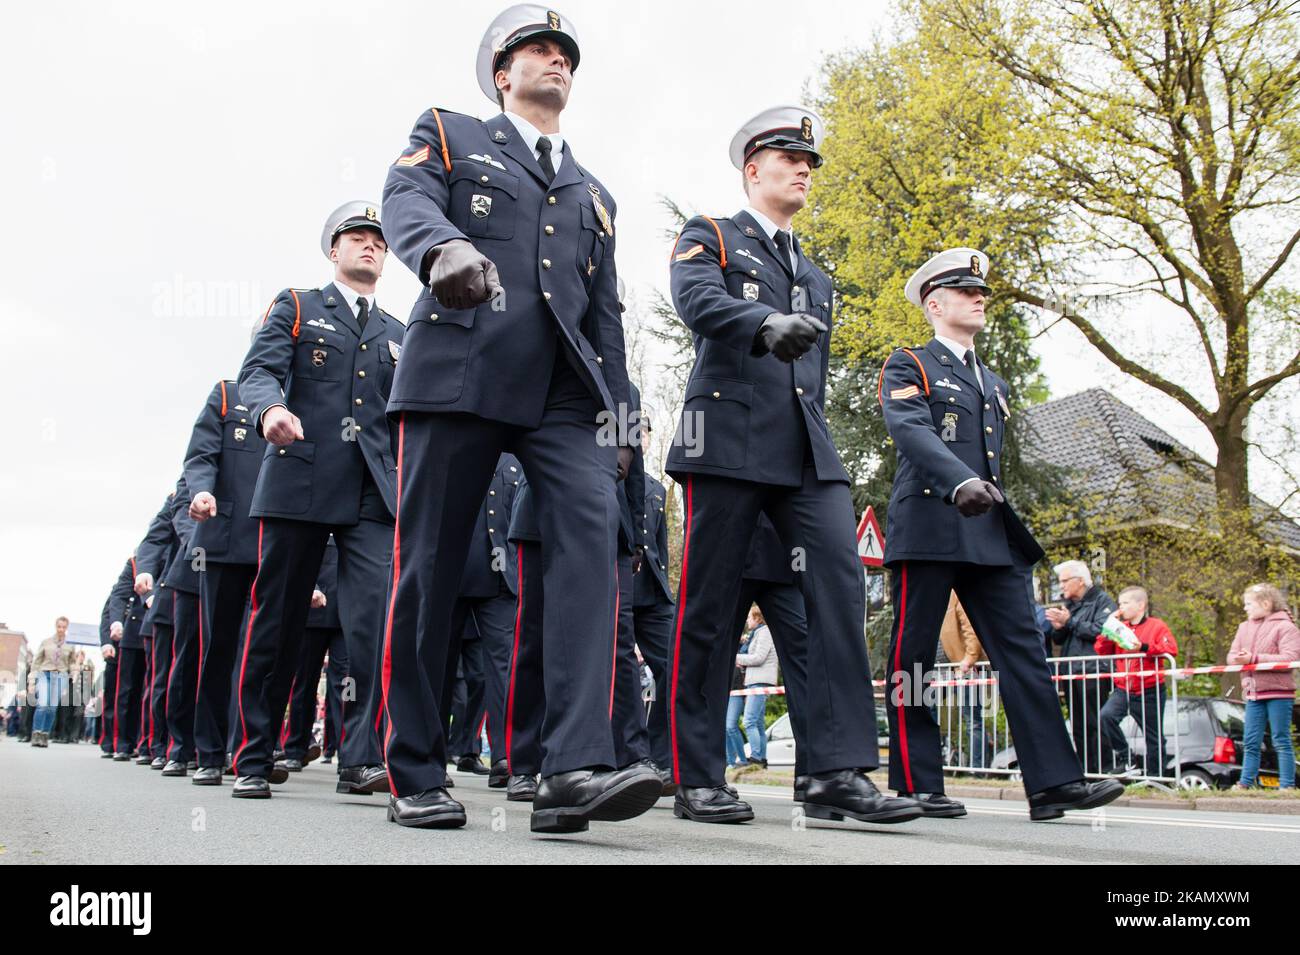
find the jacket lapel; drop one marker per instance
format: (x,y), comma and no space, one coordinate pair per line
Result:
(339,310)
(746,221)
(514,146)
(939,351)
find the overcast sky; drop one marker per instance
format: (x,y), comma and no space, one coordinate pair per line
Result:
(167,168)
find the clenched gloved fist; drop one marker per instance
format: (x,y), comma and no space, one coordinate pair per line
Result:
(789,336)
(462,276)
(976,498)
(624,462)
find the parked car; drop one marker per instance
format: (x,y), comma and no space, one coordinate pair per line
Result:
(780,739)
(1210,734)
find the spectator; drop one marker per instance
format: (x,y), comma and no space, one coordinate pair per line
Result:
(1142,694)
(48,679)
(1076,627)
(961,646)
(81,683)
(735,705)
(1268,635)
(94,706)
(26,699)
(759,661)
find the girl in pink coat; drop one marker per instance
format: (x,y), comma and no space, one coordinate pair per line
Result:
(1268,635)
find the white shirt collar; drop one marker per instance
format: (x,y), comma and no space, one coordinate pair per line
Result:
(771,228)
(351,295)
(530,134)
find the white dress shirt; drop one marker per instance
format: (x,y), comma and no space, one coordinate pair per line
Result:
(352,295)
(530,134)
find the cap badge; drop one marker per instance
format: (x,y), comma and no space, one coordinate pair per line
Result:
(552,19)
(371,214)
(975,266)
(805,130)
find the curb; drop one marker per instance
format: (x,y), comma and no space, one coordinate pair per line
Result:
(1204,803)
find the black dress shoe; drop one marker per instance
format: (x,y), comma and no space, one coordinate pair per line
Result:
(192,765)
(1055,802)
(499,775)
(669,784)
(431,809)
(800,788)
(711,804)
(279,774)
(326,760)
(121,757)
(521,788)
(362,780)
(228,769)
(293,765)
(175,768)
(144,759)
(937,805)
(104,754)
(848,792)
(313,754)
(472,764)
(567,802)
(757,762)
(207,776)
(158,762)
(251,787)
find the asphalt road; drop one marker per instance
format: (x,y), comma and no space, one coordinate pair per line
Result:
(64,804)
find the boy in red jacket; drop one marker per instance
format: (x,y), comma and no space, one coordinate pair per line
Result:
(1140,696)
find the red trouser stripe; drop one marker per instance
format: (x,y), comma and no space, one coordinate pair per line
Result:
(117,693)
(167,690)
(387,674)
(898,666)
(248,639)
(613,670)
(681,613)
(514,656)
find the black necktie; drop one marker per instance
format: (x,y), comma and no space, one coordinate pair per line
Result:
(970,363)
(783,243)
(363,312)
(544,159)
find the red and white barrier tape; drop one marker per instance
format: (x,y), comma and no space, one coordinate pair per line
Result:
(1062,677)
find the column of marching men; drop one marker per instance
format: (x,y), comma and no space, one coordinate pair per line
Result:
(452,515)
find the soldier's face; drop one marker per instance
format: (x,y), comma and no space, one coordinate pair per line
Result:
(961,308)
(360,252)
(539,71)
(780,178)
(645,440)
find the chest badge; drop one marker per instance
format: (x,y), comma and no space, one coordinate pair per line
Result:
(602,213)
(394,349)
(749,230)
(480,206)
(1002,401)
(499,136)
(750,291)
(318,356)
(949,432)
(241,434)
(945,383)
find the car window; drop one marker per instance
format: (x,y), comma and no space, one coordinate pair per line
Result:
(1231,717)
(780,729)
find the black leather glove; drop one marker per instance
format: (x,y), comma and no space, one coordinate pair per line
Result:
(789,336)
(624,462)
(462,276)
(976,498)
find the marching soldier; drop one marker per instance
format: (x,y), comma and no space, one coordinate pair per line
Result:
(950,528)
(323,636)
(486,606)
(653,609)
(316,379)
(753,440)
(221,466)
(516,344)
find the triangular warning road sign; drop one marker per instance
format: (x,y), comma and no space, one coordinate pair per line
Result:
(871,542)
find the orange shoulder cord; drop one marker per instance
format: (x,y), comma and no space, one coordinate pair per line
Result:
(880,385)
(722,249)
(297,314)
(442,138)
(222,383)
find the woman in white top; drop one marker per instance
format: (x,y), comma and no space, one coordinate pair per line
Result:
(760,663)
